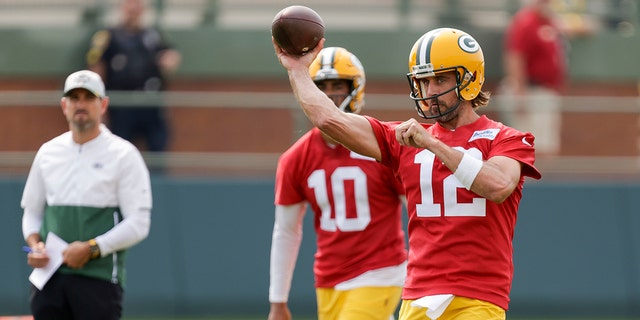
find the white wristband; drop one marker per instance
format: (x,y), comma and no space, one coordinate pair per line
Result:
(467,170)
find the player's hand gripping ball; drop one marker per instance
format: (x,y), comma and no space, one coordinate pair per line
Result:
(297,29)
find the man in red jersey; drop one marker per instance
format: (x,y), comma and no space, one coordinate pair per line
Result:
(360,262)
(463,175)
(535,69)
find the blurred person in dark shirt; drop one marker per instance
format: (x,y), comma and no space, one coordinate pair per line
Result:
(134,57)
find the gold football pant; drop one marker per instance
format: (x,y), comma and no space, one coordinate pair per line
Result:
(460,308)
(367,303)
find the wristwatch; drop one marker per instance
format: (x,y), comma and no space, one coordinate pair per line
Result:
(94,249)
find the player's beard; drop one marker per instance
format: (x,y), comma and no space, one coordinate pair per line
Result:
(439,107)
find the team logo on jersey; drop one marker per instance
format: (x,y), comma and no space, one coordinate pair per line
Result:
(484,134)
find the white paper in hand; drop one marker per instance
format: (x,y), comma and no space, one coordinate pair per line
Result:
(54,246)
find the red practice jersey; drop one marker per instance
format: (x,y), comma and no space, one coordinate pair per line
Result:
(460,243)
(356,205)
(542,45)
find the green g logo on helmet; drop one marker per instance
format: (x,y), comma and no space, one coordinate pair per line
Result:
(443,50)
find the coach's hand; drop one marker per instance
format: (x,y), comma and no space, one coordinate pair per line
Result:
(77,254)
(38,257)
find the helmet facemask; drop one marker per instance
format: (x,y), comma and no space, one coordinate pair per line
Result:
(338,63)
(346,99)
(419,90)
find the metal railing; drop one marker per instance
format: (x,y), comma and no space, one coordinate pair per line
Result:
(622,161)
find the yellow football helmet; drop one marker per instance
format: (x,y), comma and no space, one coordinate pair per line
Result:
(443,50)
(338,63)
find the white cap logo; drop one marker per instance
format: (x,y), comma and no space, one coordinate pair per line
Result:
(85,79)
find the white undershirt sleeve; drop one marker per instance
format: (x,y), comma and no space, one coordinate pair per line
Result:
(285,246)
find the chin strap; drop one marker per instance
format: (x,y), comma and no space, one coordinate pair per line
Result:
(344,106)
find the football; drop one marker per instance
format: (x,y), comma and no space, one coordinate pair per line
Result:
(297,29)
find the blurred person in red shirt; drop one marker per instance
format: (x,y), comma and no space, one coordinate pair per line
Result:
(535,68)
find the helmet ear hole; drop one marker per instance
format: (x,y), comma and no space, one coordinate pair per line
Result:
(468,76)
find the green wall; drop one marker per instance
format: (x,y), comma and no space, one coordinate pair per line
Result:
(577,251)
(211,52)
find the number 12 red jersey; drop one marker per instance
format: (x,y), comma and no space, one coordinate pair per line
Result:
(459,243)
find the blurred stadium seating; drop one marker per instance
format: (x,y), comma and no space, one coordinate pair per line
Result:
(255,14)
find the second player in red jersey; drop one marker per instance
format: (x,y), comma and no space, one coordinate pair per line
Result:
(360,262)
